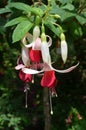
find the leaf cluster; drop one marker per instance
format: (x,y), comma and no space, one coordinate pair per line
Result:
(61,12)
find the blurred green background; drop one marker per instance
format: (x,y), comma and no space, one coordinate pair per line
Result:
(71,87)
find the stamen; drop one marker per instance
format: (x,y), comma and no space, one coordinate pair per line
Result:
(53,93)
(26,88)
(51,109)
(26,94)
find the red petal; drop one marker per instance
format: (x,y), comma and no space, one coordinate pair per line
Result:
(54,84)
(25,77)
(49,79)
(35,55)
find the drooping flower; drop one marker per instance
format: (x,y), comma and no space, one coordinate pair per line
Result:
(33,39)
(49,79)
(47,58)
(34,46)
(33,54)
(36,59)
(25,65)
(39,49)
(47,64)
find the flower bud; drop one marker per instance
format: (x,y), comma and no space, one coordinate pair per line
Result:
(64,48)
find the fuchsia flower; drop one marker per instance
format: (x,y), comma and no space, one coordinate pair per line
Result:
(39,54)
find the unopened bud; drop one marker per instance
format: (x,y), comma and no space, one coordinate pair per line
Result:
(57,16)
(64,48)
(64,51)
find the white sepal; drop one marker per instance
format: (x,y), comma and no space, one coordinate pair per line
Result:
(25,56)
(66,70)
(45,53)
(31,71)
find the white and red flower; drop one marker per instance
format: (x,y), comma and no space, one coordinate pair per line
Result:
(36,58)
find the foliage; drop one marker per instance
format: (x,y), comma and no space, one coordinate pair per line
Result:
(9,121)
(16,19)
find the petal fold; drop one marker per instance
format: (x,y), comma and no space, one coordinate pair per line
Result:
(25,77)
(48,79)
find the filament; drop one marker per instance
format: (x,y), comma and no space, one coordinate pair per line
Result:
(26,94)
(51,109)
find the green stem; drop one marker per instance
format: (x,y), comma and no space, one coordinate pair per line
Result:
(49,3)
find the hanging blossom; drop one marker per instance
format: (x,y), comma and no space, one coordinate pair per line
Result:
(29,55)
(37,52)
(35,59)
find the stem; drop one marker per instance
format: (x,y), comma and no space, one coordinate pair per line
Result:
(47,115)
(49,2)
(58,26)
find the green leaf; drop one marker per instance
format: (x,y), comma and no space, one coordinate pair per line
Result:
(52,28)
(65,1)
(21,29)
(37,11)
(76,30)
(81,19)
(68,7)
(20,6)
(26,8)
(15,21)
(65,14)
(4,10)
